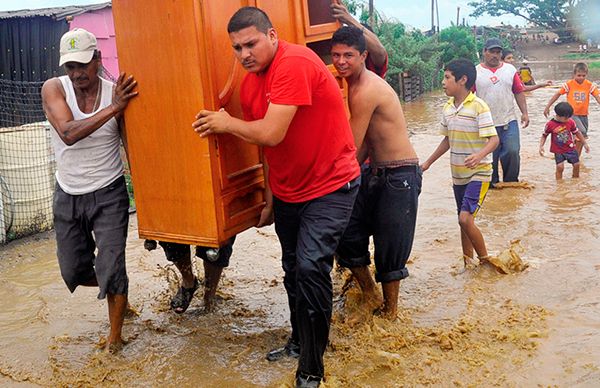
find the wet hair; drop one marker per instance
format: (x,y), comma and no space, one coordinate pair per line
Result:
(563,109)
(247,17)
(463,67)
(580,67)
(350,36)
(505,53)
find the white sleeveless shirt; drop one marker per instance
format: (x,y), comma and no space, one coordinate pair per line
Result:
(495,88)
(95,161)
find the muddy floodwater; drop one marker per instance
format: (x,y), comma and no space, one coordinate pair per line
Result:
(539,327)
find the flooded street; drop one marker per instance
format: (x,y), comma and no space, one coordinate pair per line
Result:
(480,328)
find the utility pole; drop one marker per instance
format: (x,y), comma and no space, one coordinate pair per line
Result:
(371,14)
(432,19)
(457,15)
(437,14)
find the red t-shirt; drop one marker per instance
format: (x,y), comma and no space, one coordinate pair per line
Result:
(317,155)
(562,135)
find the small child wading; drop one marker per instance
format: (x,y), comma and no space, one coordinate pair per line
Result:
(578,91)
(470,135)
(562,144)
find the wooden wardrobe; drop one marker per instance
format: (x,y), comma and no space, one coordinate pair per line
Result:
(190,189)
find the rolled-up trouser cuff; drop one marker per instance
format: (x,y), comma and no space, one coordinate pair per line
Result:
(223,254)
(175,252)
(353,262)
(391,276)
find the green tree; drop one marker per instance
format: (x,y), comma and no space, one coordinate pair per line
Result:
(457,42)
(584,19)
(550,14)
(410,52)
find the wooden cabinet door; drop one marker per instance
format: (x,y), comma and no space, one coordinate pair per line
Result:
(170,164)
(317,17)
(237,164)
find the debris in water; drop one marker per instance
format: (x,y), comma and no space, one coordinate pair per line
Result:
(514,185)
(509,260)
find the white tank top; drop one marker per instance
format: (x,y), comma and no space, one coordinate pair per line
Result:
(495,88)
(94,162)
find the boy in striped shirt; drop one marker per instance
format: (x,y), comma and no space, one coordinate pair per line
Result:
(470,135)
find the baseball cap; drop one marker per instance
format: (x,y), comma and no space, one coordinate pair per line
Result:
(492,43)
(77,45)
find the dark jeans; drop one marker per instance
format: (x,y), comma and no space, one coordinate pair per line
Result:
(309,233)
(386,208)
(507,153)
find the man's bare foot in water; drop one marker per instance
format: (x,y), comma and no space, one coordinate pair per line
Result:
(371,299)
(111,347)
(369,303)
(391,290)
(114,347)
(385,312)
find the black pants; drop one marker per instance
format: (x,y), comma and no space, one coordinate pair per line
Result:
(386,208)
(309,233)
(176,252)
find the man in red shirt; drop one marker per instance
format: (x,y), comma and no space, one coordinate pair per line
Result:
(293,107)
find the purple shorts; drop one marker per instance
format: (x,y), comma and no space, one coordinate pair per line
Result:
(570,156)
(470,197)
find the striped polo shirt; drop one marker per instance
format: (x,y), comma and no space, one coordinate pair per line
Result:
(467,128)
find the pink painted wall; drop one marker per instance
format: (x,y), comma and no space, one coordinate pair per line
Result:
(100,23)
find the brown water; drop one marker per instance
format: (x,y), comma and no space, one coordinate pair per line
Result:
(480,328)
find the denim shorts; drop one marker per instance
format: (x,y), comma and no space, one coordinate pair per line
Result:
(386,208)
(570,156)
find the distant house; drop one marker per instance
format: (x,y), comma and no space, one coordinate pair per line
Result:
(29,39)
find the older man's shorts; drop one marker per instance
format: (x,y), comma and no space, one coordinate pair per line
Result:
(89,221)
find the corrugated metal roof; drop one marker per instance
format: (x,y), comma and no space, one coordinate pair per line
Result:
(57,13)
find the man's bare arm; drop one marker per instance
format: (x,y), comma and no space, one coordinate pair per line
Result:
(552,101)
(522,104)
(60,116)
(269,131)
(376,50)
(362,106)
(266,215)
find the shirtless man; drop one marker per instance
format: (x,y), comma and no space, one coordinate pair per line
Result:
(386,206)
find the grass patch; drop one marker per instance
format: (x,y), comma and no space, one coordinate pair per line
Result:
(582,56)
(594,65)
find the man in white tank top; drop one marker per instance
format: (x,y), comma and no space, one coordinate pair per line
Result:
(498,83)
(90,201)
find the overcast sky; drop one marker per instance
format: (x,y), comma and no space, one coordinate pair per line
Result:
(416,13)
